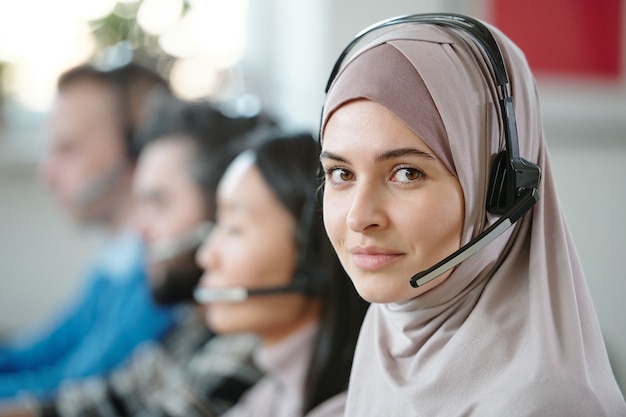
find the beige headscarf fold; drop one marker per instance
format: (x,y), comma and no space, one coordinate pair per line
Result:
(512,332)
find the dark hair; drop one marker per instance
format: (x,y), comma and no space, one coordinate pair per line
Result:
(289,164)
(216,137)
(132,85)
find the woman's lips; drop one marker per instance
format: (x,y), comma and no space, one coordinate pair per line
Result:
(371,258)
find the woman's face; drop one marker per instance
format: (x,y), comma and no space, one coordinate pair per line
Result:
(253,246)
(391,208)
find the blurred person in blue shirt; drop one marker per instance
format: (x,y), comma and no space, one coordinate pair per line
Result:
(89,166)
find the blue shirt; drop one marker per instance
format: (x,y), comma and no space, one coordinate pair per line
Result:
(113,314)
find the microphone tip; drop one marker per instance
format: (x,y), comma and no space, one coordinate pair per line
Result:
(204,295)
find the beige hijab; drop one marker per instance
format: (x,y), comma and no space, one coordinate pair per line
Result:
(512,332)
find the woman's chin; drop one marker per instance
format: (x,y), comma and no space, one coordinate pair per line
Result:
(380,294)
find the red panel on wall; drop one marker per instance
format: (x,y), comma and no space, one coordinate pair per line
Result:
(565,37)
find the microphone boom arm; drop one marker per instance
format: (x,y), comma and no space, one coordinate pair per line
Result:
(525,203)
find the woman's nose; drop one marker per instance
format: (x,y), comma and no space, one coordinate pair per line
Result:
(206,255)
(367,209)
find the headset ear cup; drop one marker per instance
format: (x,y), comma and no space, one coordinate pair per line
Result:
(497,192)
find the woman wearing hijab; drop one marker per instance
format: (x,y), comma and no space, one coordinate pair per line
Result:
(271,271)
(410,130)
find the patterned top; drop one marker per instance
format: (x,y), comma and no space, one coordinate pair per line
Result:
(193,374)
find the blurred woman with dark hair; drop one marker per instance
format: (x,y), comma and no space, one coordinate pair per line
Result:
(271,271)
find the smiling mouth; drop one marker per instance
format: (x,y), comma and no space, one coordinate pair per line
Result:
(373,261)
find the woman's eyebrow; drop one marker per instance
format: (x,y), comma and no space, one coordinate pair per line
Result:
(330,155)
(394,153)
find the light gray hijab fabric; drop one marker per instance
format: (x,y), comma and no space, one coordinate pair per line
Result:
(512,332)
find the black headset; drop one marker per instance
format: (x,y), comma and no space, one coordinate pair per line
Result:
(514,181)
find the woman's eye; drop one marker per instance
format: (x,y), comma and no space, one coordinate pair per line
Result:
(407,175)
(339,175)
(226,228)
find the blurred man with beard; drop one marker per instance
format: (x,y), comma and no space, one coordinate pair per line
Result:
(185,149)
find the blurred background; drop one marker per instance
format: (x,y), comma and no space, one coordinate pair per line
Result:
(281,52)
